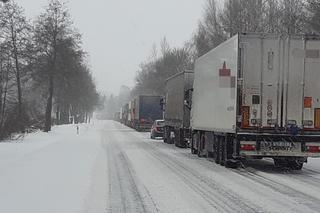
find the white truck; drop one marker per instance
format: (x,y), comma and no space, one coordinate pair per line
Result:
(256,96)
(177,108)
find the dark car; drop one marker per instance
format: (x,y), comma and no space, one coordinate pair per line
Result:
(157,129)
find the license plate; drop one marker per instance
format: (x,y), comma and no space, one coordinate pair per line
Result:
(280,146)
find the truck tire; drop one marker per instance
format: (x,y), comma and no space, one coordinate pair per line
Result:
(221,151)
(198,144)
(179,139)
(216,153)
(171,139)
(229,162)
(194,143)
(165,135)
(183,140)
(167,138)
(295,164)
(201,143)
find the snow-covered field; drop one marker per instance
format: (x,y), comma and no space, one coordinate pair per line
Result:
(111,168)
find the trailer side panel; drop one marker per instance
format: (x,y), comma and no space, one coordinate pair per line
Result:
(215,83)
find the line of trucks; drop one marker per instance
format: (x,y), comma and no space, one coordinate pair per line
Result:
(254,96)
(141,112)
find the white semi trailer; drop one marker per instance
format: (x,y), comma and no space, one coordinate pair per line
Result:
(177,108)
(256,96)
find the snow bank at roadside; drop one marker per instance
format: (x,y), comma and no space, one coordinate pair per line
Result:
(49,172)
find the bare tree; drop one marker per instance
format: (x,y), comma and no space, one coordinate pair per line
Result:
(313,7)
(52,26)
(151,76)
(210,32)
(42,67)
(16,32)
(293,18)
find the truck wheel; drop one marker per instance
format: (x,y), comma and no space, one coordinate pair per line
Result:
(171,139)
(216,150)
(295,164)
(229,161)
(198,144)
(166,135)
(193,143)
(199,149)
(201,143)
(221,151)
(177,139)
(182,141)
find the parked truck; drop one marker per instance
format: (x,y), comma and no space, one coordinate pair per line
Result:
(117,116)
(144,109)
(257,96)
(176,106)
(124,114)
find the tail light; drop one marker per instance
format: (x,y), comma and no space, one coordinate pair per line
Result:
(248,146)
(313,148)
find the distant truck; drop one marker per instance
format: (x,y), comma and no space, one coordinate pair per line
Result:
(176,107)
(256,96)
(124,114)
(117,116)
(144,110)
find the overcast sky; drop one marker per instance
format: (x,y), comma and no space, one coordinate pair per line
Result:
(119,34)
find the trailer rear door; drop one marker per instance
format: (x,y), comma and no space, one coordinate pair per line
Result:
(261,58)
(311,85)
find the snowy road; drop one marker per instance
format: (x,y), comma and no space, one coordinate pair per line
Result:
(111,168)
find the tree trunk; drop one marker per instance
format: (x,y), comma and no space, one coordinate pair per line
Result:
(18,79)
(1,88)
(4,101)
(20,118)
(58,115)
(48,121)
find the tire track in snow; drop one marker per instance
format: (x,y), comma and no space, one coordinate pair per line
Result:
(135,197)
(142,192)
(281,195)
(208,189)
(266,168)
(308,201)
(123,193)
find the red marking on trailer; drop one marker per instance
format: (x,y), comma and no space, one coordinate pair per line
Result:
(224,71)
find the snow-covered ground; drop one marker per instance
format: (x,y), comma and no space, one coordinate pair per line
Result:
(111,168)
(51,172)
